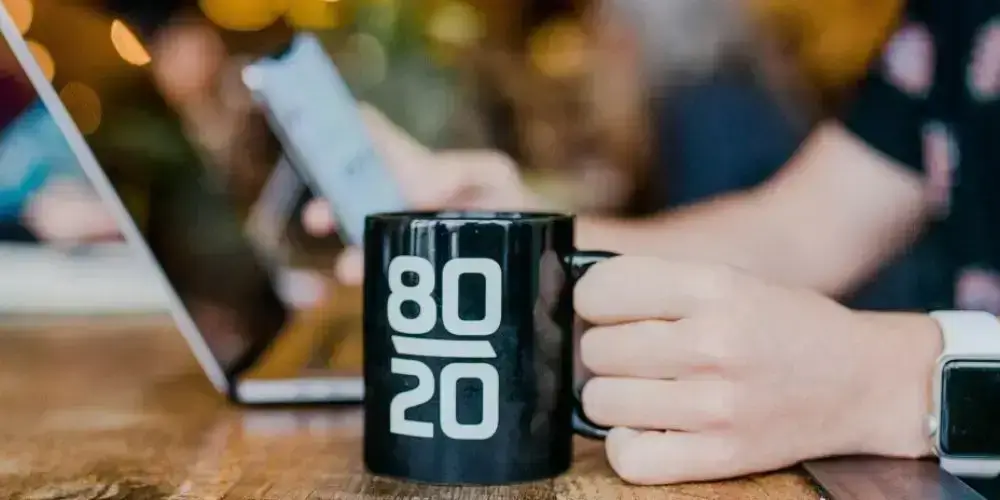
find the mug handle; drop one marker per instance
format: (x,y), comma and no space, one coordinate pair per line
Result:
(579,262)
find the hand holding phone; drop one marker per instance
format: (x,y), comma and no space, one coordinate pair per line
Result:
(327,139)
(317,121)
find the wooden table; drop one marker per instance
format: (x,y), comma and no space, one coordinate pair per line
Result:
(109,410)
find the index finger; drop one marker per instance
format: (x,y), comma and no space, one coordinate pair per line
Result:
(624,289)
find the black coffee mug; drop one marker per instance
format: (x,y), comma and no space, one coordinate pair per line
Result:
(468,346)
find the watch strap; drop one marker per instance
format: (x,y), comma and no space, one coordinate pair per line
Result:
(968,335)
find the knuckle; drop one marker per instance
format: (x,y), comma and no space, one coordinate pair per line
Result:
(714,352)
(720,412)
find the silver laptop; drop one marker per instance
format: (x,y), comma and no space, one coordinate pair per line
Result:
(223,286)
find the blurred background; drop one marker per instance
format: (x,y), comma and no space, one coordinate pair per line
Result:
(610,106)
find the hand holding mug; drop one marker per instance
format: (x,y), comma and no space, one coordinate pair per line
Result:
(706,373)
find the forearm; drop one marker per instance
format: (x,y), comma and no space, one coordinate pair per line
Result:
(735,230)
(719,231)
(827,221)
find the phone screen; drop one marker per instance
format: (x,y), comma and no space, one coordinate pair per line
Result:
(192,210)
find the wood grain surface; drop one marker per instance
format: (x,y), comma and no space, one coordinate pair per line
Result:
(109,410)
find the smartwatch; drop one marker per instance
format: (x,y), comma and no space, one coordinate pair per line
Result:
(965,423)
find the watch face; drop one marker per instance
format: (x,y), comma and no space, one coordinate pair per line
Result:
(970,409)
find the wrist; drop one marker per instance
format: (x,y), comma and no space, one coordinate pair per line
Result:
(900,360)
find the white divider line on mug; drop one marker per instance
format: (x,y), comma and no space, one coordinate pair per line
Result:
(439,348)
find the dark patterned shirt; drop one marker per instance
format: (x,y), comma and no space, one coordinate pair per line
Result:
(932,102)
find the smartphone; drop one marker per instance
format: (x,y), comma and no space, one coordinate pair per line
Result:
(316,119)
(875,478)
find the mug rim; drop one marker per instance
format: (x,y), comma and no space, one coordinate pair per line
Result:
(472,215)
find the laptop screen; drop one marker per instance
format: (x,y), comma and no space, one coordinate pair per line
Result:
(189,195)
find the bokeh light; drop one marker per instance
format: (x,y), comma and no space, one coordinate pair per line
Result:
(557,49)
(128,45)
(83,105)
(313,14)
(43,58)
(21,11)
(456,23)
(370,59)
(243,15)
